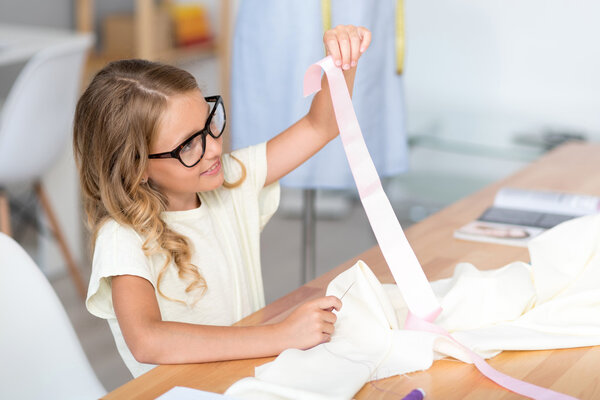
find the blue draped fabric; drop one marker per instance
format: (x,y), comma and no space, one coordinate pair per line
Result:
(274,42)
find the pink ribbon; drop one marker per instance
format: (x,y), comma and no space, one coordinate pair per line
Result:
(401,259)
(403,263)
(523,388)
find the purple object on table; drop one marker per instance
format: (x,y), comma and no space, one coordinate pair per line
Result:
(417,394)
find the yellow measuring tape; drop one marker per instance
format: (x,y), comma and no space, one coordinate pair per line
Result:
(326,13)
(400,38)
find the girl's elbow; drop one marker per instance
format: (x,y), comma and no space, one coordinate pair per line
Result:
(143,356)
(144,351)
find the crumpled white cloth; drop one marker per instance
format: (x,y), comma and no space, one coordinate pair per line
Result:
(552,303)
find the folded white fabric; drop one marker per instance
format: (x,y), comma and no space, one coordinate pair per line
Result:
(552,303)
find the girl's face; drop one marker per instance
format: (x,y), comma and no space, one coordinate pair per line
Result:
(185,115)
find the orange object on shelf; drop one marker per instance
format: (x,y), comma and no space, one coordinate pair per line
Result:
(119,34)
(191,24)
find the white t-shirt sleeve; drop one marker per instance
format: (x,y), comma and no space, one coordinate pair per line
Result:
(254,159)
(118,251)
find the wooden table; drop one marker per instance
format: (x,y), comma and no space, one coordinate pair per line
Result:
(572,168)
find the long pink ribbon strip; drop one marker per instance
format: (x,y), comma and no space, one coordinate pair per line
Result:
(401,259)
(406,270)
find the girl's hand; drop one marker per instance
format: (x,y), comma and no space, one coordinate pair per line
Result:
(346,43)
(311,323)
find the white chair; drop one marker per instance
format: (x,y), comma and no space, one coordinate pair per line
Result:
(35,125)
(40,352)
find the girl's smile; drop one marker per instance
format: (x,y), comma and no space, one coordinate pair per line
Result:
(214,169)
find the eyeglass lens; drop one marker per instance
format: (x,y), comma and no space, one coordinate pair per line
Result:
(217,123)
(193,151)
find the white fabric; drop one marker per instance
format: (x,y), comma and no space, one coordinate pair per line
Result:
(552,303)
(224,232)
(266,83)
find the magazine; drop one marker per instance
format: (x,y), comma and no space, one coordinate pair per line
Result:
(519,215)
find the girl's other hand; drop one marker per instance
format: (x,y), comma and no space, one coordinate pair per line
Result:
(346,43)
(311,323)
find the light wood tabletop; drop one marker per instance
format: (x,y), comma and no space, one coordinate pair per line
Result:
(573,167)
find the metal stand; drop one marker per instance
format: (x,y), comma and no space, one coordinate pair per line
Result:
(308,235)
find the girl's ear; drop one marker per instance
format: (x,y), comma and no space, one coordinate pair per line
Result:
(145,178)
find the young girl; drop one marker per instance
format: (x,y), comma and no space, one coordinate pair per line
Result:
(176,223)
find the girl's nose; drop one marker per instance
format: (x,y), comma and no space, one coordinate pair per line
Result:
(214,147)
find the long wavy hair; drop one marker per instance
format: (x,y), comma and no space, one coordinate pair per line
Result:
(116,119)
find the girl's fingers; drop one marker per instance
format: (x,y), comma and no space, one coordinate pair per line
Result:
(332,47)
(355,47)
(345,49)
(329,317)
(345,44)
(365,36)
(328,302)
(328,329)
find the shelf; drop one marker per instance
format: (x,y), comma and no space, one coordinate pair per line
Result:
(145,42)
(194,52)
(97,60)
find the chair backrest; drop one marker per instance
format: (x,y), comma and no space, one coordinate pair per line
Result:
(36,118)
(40,354)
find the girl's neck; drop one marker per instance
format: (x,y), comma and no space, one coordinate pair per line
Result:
(184,204)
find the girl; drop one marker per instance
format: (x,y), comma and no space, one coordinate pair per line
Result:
(176,223)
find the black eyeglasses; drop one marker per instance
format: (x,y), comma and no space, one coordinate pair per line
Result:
(191,151)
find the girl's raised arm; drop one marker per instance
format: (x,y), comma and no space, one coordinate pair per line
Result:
(295,145)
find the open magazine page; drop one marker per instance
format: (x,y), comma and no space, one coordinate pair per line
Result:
(519,215)
(492,232)
(547,201)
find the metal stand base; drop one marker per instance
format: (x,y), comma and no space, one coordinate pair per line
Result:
(309,270)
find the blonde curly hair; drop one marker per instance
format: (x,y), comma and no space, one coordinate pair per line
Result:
(115,121)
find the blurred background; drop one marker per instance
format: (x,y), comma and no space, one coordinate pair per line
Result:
(488,87)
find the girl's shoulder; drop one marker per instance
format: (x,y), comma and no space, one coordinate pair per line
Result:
(248,164)
(113,232)
(250,154)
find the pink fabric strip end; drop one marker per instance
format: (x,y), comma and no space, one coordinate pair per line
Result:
(530,390)
(312,80)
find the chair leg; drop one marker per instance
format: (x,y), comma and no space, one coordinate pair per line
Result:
(72,267)
(4,214)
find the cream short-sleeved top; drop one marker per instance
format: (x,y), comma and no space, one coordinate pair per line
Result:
(224,232)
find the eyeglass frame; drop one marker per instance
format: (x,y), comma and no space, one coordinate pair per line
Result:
(204,131)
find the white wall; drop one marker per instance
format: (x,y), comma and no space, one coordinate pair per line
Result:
(533,61)
(481,73)
(48,13)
